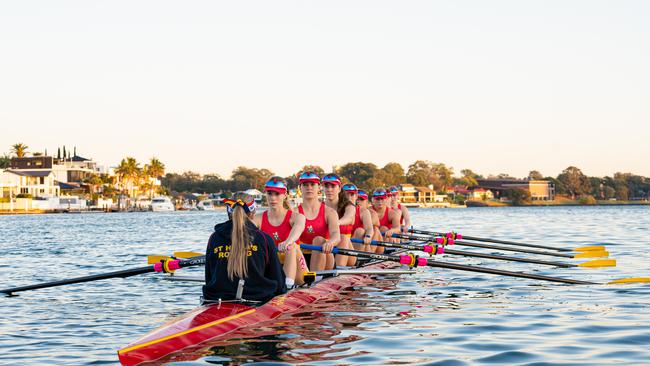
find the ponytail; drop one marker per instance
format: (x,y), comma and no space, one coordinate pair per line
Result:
(240,240)
(344,202)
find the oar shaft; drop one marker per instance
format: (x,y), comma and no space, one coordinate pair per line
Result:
(498,247)
(158,267)
(508,258)
(490,240)
(117,274)
(418,261)
(461,267)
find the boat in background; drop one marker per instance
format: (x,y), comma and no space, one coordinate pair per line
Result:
(162,204)
(206,205)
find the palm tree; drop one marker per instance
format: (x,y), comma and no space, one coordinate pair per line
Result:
(128,172)
(19,149)
(155,169)
(5,161)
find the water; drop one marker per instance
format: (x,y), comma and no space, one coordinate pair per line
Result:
(437,317)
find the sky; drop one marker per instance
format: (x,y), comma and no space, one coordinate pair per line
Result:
(492,86)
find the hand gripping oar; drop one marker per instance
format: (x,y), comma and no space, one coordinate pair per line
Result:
(453,235)
(168,266)
(440,249)
(592,254)
(415,261)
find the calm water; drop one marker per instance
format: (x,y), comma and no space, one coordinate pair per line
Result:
(436,317)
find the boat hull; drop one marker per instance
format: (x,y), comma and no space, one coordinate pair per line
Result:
(214,321)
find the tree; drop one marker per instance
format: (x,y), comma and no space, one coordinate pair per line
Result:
(420,173)
(19,149)
(535,175)
(468,178)
(393,174)
(575,183)
(518,196)
(244,178)
(424,173)
(360,174)
(314,168)
(154,170)
(128,173)
(5,161)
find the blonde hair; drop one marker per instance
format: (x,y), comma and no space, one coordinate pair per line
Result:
(240,239)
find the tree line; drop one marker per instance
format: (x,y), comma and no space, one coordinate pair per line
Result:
(570,182)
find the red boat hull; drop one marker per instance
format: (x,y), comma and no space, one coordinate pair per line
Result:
(216,320)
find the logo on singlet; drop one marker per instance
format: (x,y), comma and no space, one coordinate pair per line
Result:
(310,229)
(276,236)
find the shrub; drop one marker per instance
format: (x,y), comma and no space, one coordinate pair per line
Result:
(24,195)
(587,200)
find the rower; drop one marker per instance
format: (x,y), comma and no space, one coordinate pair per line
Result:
(321,223)
(338,200)
(362,226)
(362,202)
(285,227)
(388,218)
(394,203)
(239,254)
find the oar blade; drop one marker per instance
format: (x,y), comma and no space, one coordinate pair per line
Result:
(185,255)
(599,263)
(630,280)
(602,254)
(153,259)
(592,248)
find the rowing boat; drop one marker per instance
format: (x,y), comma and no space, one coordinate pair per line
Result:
(216,321)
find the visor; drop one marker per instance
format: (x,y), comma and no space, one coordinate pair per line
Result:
(309,177)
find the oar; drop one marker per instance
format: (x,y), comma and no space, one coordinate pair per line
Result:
(414,261)
(439,249)
(164,266)
(510,249)
(453,235)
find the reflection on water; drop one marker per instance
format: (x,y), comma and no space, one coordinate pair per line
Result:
(434,317)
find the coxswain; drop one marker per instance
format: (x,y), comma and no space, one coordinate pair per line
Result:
(394,203)
(321,223)
(362,227)
(388,218)
(284,226)
(241,261)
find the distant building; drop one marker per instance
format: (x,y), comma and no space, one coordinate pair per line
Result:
(408,193)
(540,190)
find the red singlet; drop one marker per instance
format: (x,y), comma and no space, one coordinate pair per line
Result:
(385,220)
(278,233)
(348,229)
(316,227)
(357,220)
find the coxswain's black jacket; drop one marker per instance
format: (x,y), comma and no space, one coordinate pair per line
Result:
(265,275)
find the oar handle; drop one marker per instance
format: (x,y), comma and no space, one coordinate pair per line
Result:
(425,248)
(409,260)
(335,250)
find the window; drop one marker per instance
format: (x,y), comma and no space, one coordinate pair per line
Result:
(42,179)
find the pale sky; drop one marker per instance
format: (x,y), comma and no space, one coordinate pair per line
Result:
(494,86)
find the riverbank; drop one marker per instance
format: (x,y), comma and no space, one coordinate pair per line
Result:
(556,202)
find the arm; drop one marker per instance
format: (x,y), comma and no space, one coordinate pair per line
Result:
(407,217)
(274,269)
(394,223)
(332,219)
(297,222)
(348,216)
(366,220)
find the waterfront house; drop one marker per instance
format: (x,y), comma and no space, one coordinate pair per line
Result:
(539,189)
(408,193)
